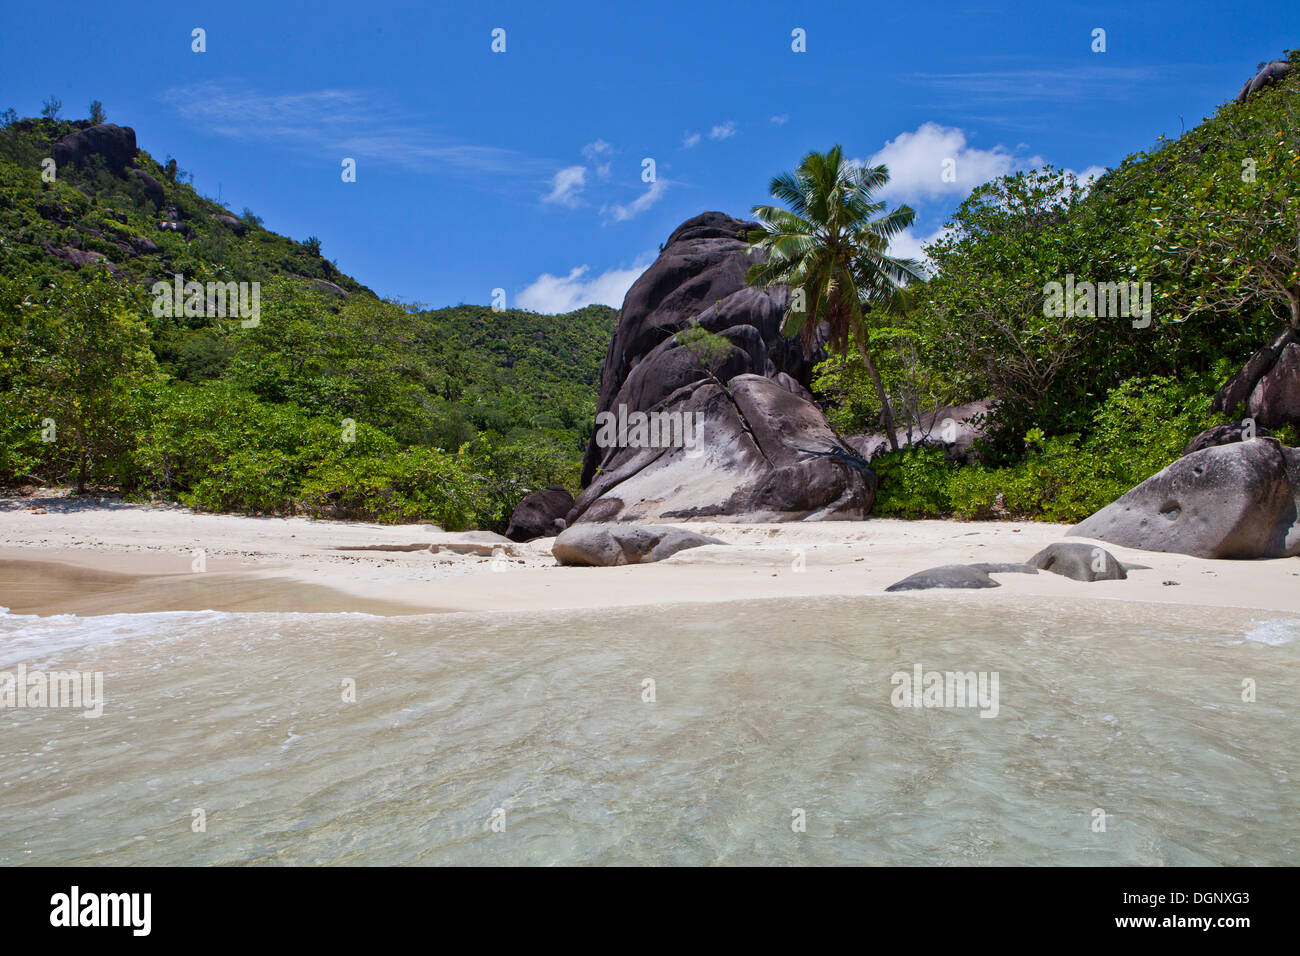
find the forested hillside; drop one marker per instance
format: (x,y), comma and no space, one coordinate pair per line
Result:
(331,401)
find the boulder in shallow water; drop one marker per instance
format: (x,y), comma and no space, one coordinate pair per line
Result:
(945,576)
(1082,562)
(607,545)
(1227,501)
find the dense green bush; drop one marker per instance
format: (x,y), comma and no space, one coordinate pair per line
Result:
(1143,425)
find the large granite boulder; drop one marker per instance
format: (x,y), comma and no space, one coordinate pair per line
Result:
(1082,562)
(699,277)
(696,347)
(757,451)
(964,576)
(1226,501)
(540,514)
(608,545)
(1268,384)
(116,144)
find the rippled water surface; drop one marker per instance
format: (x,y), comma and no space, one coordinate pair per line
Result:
(761,709)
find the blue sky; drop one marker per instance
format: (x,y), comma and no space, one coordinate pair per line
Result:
(523,170)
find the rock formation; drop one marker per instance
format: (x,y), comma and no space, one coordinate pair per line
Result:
(1268,384)
(700,353)
(1225,501)
(116,144)
(540,514)
(1269,74)
(609,545)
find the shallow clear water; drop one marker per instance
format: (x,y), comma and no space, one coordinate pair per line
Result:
(761,708)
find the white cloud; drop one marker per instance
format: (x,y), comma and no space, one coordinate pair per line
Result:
(566,185)
(621,213)
(779,120)
(595,152)
(690,139)
(552,294)
(907,245)
(723,130)
(935,161)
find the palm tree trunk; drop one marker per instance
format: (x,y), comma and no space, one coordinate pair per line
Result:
(886,413)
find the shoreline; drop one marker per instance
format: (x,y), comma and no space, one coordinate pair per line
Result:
(91,557)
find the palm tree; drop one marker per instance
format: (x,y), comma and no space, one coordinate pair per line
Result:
(831,248)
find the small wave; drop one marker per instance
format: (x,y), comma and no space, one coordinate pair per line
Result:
(1278,630)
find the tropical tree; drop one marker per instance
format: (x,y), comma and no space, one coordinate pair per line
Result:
(831,247)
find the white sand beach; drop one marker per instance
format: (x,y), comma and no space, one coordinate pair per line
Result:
(93,556)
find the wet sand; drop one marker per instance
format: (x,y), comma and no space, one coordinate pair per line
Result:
(48,587)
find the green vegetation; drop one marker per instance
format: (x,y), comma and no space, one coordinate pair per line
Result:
(1088,406)
(830,248)
(334,403)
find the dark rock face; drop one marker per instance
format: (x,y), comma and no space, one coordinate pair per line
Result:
(1220,435)
(744,398)
(1082,562)
(1269,75)
(1005,567)
(1226,501)
(954,428)
(746,461)
(1268,384)
(945,576)
(152,188)
(540,514)
(608,545)
(116,144)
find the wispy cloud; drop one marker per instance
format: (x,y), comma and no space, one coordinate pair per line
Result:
(566,186)
(621,213)
(779,120)
(597,154)
(723,130)
(690,140)
(348,122)
(1068,83)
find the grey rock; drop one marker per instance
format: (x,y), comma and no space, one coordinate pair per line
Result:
(1227,501)
(1269,74)
(540,514)
(115,144)
(1006,567)
(1220,435)
(945,576)
(1082,562)
(609,545)
(954,428)
(152,188)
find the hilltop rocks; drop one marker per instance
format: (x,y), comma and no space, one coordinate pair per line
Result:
(945,576)
(695,345)
(1226,501)
(540,514)
(609,545)
(1082,562)
(116,144)
(231,223)
(152,188)
(1269,74)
